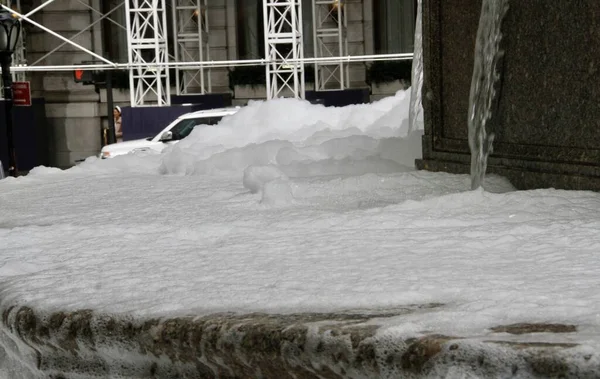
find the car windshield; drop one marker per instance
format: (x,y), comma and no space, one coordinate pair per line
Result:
(184,127)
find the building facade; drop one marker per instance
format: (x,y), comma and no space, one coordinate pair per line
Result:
(76,112)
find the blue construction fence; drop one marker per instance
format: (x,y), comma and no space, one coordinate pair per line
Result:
(144,122)
(30,135)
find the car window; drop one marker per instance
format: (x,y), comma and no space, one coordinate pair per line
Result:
(208,120)
(185,127)
(182,129)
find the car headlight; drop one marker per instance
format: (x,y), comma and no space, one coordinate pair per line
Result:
(105,154)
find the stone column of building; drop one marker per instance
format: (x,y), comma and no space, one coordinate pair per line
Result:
(222,40)
(72,109)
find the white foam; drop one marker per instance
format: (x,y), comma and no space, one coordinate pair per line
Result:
(331,215)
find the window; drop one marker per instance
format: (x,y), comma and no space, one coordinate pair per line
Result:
(113,28)
(184,127)
(394,25)
(250,32)
(208,120)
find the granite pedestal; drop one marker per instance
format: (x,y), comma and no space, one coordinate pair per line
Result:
(547,120)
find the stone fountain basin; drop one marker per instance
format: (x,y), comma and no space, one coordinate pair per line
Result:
(84,344)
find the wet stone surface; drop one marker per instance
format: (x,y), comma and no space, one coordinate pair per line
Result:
(534,328)
(352,345)
(547,119)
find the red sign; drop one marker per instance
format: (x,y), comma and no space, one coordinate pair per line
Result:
(21,94)
(78,75)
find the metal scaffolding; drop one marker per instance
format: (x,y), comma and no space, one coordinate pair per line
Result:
(148,60)
(191,44)
(283,48)
(148,50)
(330,23)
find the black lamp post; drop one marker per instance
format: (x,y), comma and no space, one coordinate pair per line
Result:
(10,29)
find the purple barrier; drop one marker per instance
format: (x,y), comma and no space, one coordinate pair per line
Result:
(207,101)
(339,98)
(31,137)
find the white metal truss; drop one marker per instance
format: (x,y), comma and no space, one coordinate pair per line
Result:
(148,51)
(147,35)
(191,44)
(283,48)
(330,24)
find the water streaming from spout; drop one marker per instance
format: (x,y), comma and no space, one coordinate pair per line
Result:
(416,105)
(485,75)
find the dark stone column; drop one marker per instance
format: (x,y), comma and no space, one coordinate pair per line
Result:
(547,123)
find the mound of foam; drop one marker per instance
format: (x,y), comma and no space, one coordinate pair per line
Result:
(302,139)
(297,121)
(255,177)
(277,192)
(296,137)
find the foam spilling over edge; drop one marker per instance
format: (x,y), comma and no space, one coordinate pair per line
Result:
(85,345)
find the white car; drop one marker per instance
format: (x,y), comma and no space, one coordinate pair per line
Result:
(173,133)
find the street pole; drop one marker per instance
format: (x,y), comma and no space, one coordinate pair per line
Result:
(5,61)
(110,105)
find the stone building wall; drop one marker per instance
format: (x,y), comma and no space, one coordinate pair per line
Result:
(72,109)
